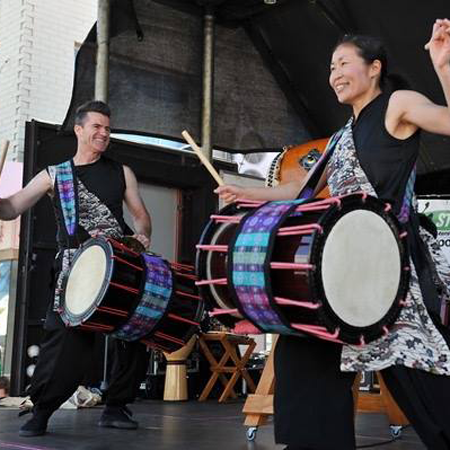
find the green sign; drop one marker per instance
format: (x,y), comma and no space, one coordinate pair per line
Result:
(441,219)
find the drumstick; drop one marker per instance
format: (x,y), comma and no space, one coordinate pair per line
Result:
(202,157)
(3,151)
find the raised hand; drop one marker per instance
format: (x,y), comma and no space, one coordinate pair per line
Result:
(439,44)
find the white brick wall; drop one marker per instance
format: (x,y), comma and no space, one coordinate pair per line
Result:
(37,49)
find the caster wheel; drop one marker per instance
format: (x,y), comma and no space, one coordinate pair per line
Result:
(396,431)
(251,433)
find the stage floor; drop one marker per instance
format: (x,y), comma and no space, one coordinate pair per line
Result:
(169,426)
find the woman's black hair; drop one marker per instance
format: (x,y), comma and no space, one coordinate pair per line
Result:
(371,48)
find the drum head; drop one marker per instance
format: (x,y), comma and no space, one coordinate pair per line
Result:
(86,282)
(361,268)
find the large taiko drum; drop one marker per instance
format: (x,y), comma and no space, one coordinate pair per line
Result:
(294,163)
(336,268)
(131,296)
(211,263)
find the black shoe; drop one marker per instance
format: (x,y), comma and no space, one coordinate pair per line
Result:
(117,417)
(295,448)
(36,426)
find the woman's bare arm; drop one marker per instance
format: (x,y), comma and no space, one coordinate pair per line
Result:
(288,191)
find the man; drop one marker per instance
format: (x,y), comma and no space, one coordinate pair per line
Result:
(90,205)
(4,387)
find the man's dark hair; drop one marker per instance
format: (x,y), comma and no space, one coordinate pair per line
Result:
(91,106)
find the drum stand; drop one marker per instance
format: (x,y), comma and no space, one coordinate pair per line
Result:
(175,385)
(236,367)
(104,384)
(259,406)
(383,402)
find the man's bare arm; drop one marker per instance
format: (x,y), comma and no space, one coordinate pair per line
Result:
(13,206)
(141,218)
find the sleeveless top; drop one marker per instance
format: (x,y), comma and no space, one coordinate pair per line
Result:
(413,340)
(388,162)
(88,202)
(98,192)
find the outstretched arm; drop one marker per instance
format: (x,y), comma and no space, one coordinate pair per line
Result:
(141,218)
(288,191)
(413,108)
(13,206)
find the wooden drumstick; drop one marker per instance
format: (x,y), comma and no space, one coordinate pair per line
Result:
(202,157)
(3,151)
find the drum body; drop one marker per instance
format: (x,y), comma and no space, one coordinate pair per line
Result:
(211,266)
(132,296)
(335,268)
(104,284)
(183,314)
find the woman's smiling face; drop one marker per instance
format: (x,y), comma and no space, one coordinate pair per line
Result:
(351,77)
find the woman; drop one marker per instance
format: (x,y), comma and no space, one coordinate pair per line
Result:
(376,151)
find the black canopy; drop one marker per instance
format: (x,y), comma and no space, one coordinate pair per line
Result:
(271,67)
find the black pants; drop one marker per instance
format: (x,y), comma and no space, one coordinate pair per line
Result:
(314,404)
(313,399)
(64,359)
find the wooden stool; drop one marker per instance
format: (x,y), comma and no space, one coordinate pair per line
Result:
(237,365)
(259,407)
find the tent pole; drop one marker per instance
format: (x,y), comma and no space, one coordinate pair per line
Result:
(102,65)
(101,93)
(208,80)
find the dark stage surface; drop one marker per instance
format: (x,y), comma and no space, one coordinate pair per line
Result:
(170,426)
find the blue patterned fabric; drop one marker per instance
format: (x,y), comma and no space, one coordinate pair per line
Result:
(250,264)
(318,168)
(403,215)
(66,188)
(154,302)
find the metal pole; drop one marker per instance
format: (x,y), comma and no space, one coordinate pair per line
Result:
(104,384)
(101,93)
(102,66)
(208,79)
